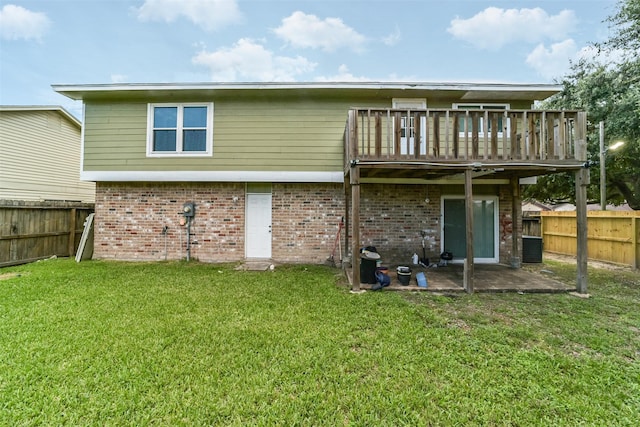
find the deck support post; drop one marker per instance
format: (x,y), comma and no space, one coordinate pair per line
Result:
(582,181)
(347,222)
(468,264)
(355,231)
(516,221)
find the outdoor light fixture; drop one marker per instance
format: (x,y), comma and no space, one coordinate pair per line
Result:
(615,145)
(603,157)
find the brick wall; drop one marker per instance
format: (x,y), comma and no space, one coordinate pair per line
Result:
(305,220)
(130,218)
(392,217)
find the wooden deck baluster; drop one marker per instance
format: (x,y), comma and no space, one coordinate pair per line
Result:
(494,136)
(388,126)
(426,135)
(562,140)
(447,124)
(369,131)
(526,125)
(397,134)
(474,136)
(436,135)
(505,134)
(416,135)
(456,136)
(485,151)
(378,134)
(514,136)
(551,135)
(543,136)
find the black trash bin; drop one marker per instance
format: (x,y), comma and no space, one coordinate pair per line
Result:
(368,271)
(368,264)
(531,249)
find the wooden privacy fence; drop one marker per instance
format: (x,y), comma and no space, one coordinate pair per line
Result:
(612,236)
(531,224)
(35,230)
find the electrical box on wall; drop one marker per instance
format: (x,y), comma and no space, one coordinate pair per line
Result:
(189,209)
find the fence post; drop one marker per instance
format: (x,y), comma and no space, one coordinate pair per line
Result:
(72,232)
(634,241)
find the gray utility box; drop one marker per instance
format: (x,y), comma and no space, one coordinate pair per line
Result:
(531,249)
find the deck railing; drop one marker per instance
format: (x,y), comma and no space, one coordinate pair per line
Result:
(451,135)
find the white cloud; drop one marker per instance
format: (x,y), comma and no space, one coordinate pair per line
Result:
(16,22)
(494,27)
(248,60)
(118,78)
(308,31)
(609,58)
(344,75)
(208,14)
(553,62)
(393,38)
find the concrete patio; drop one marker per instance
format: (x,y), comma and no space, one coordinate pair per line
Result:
(487,278)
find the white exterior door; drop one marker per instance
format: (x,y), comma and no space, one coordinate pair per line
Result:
(258,228)
(407,125)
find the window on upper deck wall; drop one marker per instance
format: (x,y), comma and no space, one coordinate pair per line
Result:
(481,124)
(407,125)
(180,129)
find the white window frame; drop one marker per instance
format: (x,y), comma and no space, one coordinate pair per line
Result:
(481,107)
(179,130)
(409,131)
(496,228)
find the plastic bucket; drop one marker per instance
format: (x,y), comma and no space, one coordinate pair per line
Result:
(421,278)
(404,275)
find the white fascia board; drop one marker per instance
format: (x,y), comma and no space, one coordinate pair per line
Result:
(212,176)
(116,87)
(78,91)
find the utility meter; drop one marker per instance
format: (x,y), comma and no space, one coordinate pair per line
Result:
(189,209)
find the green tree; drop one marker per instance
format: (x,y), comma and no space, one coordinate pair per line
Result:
(608,90)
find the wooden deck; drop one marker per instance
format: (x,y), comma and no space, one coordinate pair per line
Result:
(446,137)
(487,278)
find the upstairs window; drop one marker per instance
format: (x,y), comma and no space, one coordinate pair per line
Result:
(180,129)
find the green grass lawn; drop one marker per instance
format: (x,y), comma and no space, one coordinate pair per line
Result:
(107,343)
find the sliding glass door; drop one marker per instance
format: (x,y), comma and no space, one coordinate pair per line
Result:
(485,228)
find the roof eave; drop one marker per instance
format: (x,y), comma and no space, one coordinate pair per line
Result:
(472,90)
(56,108)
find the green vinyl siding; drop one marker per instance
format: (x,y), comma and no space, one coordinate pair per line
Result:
(248,135)
(251,132)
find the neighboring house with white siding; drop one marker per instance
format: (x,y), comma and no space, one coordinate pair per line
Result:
(40,152)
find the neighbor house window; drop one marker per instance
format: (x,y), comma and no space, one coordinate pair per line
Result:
(180,129)
(481,124)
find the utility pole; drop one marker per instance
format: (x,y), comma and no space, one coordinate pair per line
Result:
(603,178)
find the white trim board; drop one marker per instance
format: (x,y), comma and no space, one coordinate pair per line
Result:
(213,176)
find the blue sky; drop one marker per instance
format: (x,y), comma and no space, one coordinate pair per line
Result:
(45,42)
